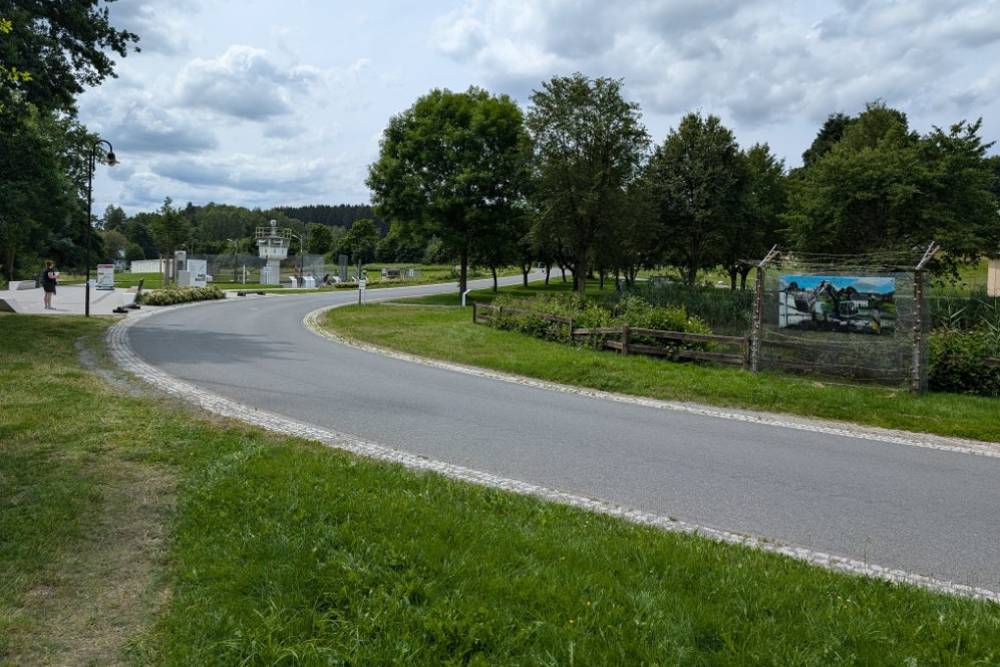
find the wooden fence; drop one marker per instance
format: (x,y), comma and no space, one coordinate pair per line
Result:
(625,338)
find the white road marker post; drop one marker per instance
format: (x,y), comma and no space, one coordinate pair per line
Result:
(465,294)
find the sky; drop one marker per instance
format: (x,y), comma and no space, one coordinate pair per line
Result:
(261,103)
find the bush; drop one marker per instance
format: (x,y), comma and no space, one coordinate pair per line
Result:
(725,311)
(174,295)
(529,316)
(956,361)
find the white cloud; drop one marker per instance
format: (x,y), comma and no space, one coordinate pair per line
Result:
(243,82)
(159,24)
(756,61)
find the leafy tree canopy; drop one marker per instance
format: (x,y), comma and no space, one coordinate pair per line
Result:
(62,48)
(589,143)
(885,187)
(450,165)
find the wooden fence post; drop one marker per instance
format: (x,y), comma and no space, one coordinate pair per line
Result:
(918,372)
(570,329)
(474,318)
(625,339)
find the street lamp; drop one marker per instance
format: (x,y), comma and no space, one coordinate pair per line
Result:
(235,248)
(92,164)
(301,253)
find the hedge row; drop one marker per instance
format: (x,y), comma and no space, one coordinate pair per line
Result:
(529,317)
(173,295)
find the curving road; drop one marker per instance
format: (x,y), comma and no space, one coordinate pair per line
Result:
(926,511)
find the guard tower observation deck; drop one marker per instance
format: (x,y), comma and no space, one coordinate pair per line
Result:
(272,245)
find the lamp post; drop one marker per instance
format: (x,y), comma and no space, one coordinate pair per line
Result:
(301,254)
(92,164)
(235,247)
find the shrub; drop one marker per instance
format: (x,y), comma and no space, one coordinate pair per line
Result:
(529,316)
(725,311)
(956,361)
(174,295)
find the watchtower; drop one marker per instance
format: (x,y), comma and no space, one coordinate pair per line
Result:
(272,245)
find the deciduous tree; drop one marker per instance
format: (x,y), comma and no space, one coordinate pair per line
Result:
(449,165)
(588,146)
(697,178)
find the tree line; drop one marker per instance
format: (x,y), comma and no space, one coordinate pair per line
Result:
(577,182)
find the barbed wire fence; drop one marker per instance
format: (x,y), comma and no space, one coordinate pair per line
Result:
(860,317)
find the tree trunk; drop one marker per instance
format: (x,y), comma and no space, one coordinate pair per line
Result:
(525,270)
(744,272)
(548,272)
(493,269)
(562,267)
(602,274)
(580,272)
(692,272)
(10,262)
(463,270)
(733,271)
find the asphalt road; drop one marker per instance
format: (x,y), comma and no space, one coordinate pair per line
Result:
(925,511)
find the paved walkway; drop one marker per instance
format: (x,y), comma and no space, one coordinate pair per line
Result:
(68,300)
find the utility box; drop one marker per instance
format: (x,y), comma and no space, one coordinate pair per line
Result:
(993,278)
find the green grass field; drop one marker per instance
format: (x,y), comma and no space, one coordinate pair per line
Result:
(135,530)
(450,335)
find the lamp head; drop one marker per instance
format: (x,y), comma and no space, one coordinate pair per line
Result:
(111,159)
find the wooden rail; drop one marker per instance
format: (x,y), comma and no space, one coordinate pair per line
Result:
(625,335)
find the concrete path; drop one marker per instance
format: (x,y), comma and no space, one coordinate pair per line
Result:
(68,300)
(922,510)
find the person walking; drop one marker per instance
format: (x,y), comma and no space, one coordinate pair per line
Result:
(49,280)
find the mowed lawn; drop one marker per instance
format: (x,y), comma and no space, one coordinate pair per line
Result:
(134,530)
(449,334)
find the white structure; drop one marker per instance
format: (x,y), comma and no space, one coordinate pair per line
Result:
(105,277)
(193,274)
(148,266)
(272,245)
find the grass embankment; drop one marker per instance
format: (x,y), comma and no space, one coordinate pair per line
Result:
(450,335)
(132,530)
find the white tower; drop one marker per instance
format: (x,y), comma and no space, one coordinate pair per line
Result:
(272,245)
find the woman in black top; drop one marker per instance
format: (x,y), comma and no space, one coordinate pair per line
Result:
(49,280)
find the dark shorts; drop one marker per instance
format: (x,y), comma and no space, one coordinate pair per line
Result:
(49,289)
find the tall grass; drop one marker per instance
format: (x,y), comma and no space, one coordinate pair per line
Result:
(725,311)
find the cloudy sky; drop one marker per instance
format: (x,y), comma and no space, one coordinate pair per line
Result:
(263,103)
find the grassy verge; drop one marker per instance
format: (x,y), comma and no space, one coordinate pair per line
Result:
(449,334)
(257,549)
